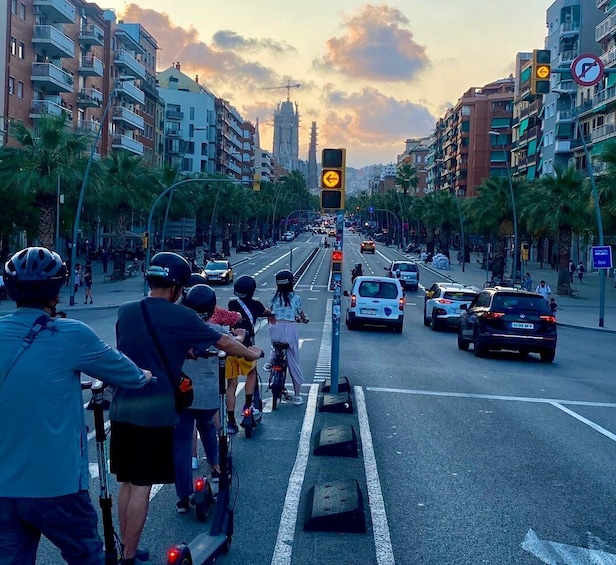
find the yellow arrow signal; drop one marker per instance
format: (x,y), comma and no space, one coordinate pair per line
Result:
(331,179)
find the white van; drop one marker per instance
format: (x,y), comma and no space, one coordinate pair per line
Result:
(375,300)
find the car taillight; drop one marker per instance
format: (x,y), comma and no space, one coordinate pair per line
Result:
(493,315)
(401,304)
(353,300)
(444,301)
(549,319)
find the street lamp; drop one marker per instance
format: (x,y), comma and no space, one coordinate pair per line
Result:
(591,176)
(84,183)
(515,217)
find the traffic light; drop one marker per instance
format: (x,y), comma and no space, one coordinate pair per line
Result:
(336,261)
(333,163)
(540,72)
(145,239)
(524,251)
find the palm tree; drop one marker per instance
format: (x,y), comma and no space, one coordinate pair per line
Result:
(46,155)
(560,204)
(606,184)
(406,177)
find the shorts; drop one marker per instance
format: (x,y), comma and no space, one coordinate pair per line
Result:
(238,367)
(69,521)
(141,455)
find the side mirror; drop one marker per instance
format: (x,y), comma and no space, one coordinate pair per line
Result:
(345,293)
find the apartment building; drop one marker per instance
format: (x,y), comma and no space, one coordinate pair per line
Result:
(189,122)
(416,155)
(248,152)
(228,139)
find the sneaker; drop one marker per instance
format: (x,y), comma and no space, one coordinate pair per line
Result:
(232,428)
(215,475)
(286,395)
(141,555)
(183,505)
(195,463)
(298,401)
(267,367)
(255,412)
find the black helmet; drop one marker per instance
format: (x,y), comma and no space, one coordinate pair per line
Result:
(169,267)
(195,279)
(34,275)
(284,278)
(245,287)
(358,266)
(202,299)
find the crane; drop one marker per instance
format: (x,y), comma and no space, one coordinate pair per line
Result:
(288,86)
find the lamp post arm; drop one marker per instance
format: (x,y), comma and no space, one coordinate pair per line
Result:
(514,266)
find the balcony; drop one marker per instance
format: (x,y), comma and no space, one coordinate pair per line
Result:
(174,115)
(149,88)
(91,34)
(90,66)
(605,29)
(566,57)
(564,115)
(170,132)
(579,142)
(128,119)
(56,11)
(90,98)
(42,108)
(51,79)
(562,146)
(88,126)
(570,28)
(130,92)
(128,40)
(124,60)
(124,142)
(608,57)
(606,131)
(52,43)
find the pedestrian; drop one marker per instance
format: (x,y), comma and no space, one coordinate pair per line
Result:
(581,270)
(527,283)
(459,257)
(553,306)
(77,280)
(87,280)
(104,260)
(44,479)
(544,290)
(571,269)
(157,333)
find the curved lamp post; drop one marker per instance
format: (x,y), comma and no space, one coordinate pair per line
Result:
(84,184)
(514,267)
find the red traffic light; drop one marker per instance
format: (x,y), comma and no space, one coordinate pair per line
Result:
(336,255)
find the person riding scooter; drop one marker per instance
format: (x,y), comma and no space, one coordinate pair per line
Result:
(356,272)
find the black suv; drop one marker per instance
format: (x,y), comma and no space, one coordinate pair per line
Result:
(507,318)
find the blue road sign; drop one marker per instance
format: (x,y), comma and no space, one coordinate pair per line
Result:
(371,209)
(602,257)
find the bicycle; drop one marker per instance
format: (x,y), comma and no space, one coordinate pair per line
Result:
(278,373)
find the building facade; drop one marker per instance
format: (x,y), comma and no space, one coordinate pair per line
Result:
(286,135)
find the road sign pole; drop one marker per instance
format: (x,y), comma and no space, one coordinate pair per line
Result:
(337,309)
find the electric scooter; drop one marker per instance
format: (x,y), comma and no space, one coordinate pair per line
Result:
(249,420)
(206,547)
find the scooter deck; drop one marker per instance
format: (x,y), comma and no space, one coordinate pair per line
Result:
(204,547)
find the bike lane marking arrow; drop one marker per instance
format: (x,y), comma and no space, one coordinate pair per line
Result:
(554,553)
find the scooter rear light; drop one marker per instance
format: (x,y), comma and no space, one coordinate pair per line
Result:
(353,301)
(549,319)
(199,484)
(247,412)
(276,368)
(172,556)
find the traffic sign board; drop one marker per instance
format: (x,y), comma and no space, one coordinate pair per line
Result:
(602,257)
(587,69)
(331,179)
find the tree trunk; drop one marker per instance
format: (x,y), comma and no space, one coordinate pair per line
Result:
(499,262)
(429,240)
(565,235)
(46,226)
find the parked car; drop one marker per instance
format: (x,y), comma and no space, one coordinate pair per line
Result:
(288,236)
(377,301)
(367,246)
(218,271)
(406,272)
(444,307)
(508,318)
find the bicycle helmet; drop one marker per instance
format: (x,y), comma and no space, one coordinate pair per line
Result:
(34,275)
(202,299)
(169,268)
(245,287)
(284,278)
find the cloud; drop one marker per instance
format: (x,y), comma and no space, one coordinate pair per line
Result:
(227,39)
(376,46)
(214,66)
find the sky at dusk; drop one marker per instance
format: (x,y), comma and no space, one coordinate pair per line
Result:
(371,75)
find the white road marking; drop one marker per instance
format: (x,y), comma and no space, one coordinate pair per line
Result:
(586,421)
(380,526)
(554,553)
(323,368)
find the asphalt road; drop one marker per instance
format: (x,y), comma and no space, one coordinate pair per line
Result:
(462,460)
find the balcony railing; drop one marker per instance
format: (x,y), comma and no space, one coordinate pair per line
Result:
(570,27)
(608,57)
(128,118)
(56,11)
(124,59)
(54,78)
(605,28)
(603,132)
(567,57)
(170,132)
(48,108)
(90,98)
(125,142)
(53,41)
(89,126)
(91,34)
(128,90)
(174,115)
(91,66)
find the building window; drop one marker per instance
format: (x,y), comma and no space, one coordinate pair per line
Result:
(204,149)
(192,112)
(11,86)
(14,7)
(22,50)
(20,89)
(22,11)
(13,46)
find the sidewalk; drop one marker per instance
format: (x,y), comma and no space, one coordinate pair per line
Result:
(581,311)
(110,294)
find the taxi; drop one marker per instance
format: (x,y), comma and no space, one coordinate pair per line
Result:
(367,246)
(218,272)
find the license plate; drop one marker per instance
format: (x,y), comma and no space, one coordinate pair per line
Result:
(522,326)
(367,311)
(458,311)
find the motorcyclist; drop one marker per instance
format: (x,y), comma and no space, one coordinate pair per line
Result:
(356,272)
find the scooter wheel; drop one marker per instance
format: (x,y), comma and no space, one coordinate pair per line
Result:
(202,511)
(179,555)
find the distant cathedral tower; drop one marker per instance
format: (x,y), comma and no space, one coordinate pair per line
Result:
(286,135)
(313,179)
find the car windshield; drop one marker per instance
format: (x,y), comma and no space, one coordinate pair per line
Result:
(376,289)
(459,295)
(216,266)
(404,267)
(516,303)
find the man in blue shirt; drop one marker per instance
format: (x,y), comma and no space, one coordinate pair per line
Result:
(44,477)
(142,421)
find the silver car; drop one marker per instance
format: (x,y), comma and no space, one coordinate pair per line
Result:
(406,272)
(442,309)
